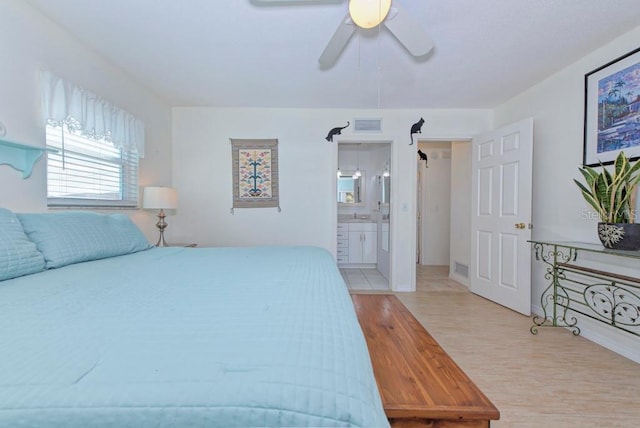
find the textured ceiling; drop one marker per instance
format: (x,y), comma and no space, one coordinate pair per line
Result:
(243,53)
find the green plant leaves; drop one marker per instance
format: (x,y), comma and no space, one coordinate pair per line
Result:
(612,194)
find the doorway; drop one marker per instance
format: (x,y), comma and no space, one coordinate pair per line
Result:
(491,198)
(443,208)
(363,207)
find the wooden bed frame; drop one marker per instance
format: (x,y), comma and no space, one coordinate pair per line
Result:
(419,383)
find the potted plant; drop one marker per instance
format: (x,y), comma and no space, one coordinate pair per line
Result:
(613,195)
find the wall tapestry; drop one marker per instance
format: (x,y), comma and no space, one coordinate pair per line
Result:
(255,173)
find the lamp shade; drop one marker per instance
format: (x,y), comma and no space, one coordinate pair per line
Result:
(368,13)
(160,198)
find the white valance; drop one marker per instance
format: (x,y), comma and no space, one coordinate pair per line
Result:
(84,111)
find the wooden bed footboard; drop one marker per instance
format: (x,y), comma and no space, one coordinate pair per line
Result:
(419,383)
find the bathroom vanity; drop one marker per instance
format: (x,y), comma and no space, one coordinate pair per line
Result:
(357,242)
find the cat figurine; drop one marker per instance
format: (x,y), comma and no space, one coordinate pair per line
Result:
(423,156)
(416,128)
(335,131)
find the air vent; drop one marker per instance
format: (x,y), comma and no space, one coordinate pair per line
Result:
(367,125)
(462,270)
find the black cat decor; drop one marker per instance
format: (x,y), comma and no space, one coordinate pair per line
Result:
(416,128)
(335,131)
(423,156)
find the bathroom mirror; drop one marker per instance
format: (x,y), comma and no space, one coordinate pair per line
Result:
(350,190)
(385,189)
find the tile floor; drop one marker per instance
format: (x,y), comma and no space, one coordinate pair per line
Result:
(364,279)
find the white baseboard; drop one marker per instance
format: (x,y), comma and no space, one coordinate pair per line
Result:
(459,278)
(402,288)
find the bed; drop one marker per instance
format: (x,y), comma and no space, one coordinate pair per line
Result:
(100,330)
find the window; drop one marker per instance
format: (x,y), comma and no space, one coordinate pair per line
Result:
(98,145)
(89,172)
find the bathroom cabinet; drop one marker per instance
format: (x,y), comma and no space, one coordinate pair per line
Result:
(357,243)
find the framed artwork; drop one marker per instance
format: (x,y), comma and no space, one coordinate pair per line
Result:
(255,173)
(612,110)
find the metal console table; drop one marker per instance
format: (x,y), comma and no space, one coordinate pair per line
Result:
(607,297)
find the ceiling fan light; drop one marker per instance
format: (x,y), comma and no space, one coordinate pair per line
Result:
(368,13)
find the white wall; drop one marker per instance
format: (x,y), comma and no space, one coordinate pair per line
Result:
(382,156)
(308,164)
(460,209)
(557,106)
(436,203)
(29,43)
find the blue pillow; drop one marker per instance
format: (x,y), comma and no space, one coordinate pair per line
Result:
(18,255)
(76,236)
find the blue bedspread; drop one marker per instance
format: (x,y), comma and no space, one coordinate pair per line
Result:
(186,337)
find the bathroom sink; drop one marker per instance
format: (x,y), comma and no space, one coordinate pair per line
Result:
(359,219)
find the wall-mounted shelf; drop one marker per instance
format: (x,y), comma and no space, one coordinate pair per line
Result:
(21,156)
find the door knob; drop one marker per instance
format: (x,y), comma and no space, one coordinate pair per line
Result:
(520,225)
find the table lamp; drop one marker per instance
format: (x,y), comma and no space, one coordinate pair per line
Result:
(161,198)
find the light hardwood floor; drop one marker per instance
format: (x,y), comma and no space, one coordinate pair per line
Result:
(550,380)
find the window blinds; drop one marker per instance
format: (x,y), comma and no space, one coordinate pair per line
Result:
(89,173)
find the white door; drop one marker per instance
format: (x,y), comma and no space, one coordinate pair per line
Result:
(501,167)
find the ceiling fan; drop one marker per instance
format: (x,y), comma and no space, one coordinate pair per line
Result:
(370,14)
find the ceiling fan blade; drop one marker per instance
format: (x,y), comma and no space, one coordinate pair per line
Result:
(408,32)
(337,43)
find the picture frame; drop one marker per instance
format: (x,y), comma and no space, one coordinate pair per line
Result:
(612,111)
